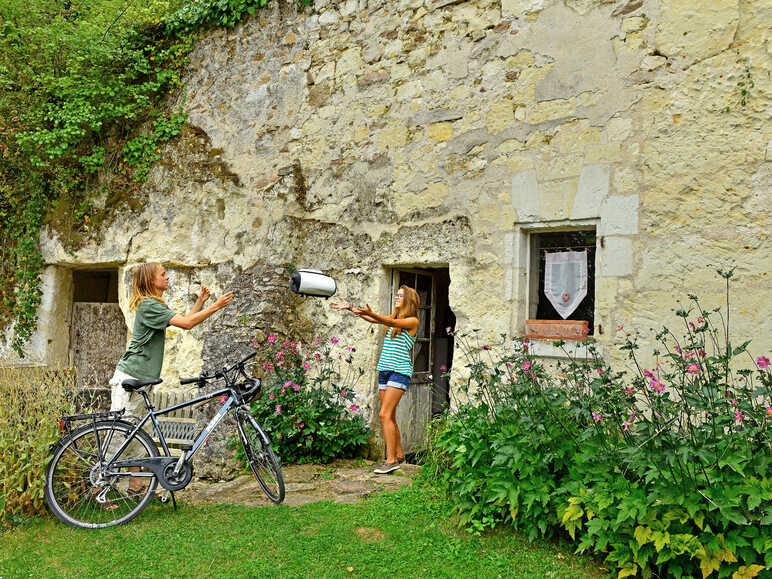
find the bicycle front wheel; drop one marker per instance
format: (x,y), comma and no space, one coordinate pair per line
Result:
(260,456)
(80,493)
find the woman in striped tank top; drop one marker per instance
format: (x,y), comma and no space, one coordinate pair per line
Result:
(395,366)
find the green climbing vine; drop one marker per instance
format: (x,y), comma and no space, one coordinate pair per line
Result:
(84,93)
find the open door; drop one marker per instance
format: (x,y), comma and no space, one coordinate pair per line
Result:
(428,391)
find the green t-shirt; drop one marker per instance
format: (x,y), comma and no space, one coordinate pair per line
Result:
(145,355)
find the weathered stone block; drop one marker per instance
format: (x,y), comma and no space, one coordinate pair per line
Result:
(440,132)
(616,257)
(593,188)
(544,111)
(392,137)
(619,216)
(516,8)
(500,116)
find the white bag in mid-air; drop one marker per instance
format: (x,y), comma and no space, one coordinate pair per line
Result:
(312,282)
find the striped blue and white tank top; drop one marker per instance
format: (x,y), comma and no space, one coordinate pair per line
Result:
(395,356)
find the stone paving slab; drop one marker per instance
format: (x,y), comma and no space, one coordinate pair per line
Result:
(342,481)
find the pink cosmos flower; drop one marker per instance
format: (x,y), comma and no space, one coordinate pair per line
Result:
(700,320)
(677,348)
(278,409)
(254,342)
(316,340)
(279,354)
(223,399)
(318,356)
(443,368)
(296,387)
(268,366)
(688,355)
(600,371)
(692,326)
(287,384)
(306,365)
(299,425)
(343,393)
(271,338)
(762,362)
(738,416)
(334,340)
(271,396)
(486,347)
(657,386)
(353,408)
(647,373)
(629,390)
(596,417)
(525,365)
(769,411)
(693,369)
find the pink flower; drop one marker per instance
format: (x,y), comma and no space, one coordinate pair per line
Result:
(271,396)
(448,330)
(677,348)
(769,411)
(443,368)
(585,331)
(279,354)
(700,320)
(296,387)
(647,373)
(254,342)
(223,399)
(316,340)
(525,365)
(317,355)
(278,409)
(688,355)
(299,425)
(268,366)
(738,416)
(693,369)
(692,326)
(343,393)
(600,371)
(287,384)
(656,385)
(762,362)
(486,347)
(271,338)
(306,365)
(629,390)
(596,417)
(334,340)
(353,408)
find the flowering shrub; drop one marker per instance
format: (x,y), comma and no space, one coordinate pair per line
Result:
(307,404)
(664,470)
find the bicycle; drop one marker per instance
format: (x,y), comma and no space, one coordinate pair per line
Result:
(104,472)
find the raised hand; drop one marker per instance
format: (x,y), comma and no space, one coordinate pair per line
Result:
(339,305)
(204,294)
(366,311)
(224,300)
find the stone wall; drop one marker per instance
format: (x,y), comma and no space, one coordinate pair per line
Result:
(361,135)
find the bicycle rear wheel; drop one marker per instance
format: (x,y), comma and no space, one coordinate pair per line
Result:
(260,456)
(77,491)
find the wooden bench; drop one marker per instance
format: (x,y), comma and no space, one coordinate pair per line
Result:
(178,427)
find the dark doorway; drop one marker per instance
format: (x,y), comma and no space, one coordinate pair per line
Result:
(97,327)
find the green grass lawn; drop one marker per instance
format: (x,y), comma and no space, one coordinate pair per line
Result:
(403,534)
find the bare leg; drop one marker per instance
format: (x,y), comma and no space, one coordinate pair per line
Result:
(389,400)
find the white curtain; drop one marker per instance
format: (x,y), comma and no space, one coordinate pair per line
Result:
(565,280)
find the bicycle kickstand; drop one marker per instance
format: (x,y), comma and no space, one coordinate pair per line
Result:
(165,498)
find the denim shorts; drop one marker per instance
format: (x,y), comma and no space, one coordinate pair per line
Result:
(394,379)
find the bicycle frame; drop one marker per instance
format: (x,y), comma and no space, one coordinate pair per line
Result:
(152,414)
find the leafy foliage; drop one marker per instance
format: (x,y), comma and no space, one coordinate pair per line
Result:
(34,399)
(664,471)
(83,89)
(307,405)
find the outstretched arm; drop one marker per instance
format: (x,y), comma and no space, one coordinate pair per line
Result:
(410,324)
(194,318)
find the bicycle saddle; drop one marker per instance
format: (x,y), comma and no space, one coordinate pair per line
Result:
(132,385)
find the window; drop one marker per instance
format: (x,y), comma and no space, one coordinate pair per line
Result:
(539,307)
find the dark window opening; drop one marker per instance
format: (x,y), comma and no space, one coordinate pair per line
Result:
(543,243)
(95,286)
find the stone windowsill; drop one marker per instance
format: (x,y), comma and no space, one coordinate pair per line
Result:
(575,348)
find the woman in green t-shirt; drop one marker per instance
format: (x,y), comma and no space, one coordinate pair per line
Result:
(145,354)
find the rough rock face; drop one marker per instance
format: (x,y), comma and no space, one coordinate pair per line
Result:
(362,135)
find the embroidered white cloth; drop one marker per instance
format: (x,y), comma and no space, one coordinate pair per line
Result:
(565,280)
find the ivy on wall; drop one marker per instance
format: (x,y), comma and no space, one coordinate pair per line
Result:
(84,91)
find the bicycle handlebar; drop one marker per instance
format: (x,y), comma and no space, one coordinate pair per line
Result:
(204,377)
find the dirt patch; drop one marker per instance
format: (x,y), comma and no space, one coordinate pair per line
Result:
(370,535)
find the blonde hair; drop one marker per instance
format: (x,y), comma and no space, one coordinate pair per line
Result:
(407,309)
(142,285)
